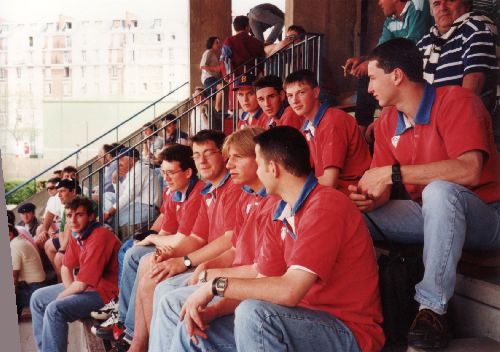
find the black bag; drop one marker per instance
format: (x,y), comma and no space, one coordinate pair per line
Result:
(399,272)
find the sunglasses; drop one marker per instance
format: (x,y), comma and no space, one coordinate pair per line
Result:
(51,188)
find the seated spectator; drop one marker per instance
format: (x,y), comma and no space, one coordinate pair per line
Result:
(438,144)
(51,220)
(94,251)
(339,154)
(28,218)
(320,274)
(254,212)
(245,93)
(272,100)
(209,65)
(55,245)
(57,173)
(139,192)
(21,230)
(294,34)
(263,17)
(199,119)
(71,173)
(172,133)
(27,269)
(404,19)
(460,49)
(152,144)
(105,154)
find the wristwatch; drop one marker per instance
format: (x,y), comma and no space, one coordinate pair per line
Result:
(187,262)
(219,286)
(203,276)
(396,177)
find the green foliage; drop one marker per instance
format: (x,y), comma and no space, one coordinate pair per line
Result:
(21,194)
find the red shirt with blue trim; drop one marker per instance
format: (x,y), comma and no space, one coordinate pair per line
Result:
(259,119)
(450,121)
(181,209)
(325,234)
(335,140)
(217,210)
(286,117)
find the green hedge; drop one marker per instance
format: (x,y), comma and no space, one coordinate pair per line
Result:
(21,194)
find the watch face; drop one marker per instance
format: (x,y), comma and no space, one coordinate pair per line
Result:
(187,262)
(203,276)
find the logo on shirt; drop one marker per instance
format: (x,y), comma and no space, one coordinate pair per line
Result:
(395,141)
(177,207)
(249,206)
(283,233)
(208,201)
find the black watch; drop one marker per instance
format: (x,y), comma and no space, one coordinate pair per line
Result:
(187,262)
(219,285)
(396,177)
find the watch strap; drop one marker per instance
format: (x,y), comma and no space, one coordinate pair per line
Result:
(396,177)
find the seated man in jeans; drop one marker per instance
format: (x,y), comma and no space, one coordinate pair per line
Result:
(93,249)
(317,288)
(438,143)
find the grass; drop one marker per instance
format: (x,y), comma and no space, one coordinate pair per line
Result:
(21,194)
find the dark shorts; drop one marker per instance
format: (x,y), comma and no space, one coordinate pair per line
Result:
(56,243)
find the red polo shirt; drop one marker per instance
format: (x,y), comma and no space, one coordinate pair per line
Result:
(97,259)
(254,214)
(259,119)
(287,117)
(450,121)
(217,210)
(335,141)
(181,210)
(325,234)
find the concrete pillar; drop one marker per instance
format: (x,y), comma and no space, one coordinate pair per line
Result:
(206,18)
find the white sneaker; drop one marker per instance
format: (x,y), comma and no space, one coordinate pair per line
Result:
(100,329)
(105,312)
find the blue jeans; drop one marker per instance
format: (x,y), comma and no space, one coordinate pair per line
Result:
(132,213)
(23,295)
(50,316)
(263,326)
(128,285)
(451,218)
(121,256)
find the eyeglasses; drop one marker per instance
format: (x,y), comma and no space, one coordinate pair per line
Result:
(170,173)
(206,154)
(51,188)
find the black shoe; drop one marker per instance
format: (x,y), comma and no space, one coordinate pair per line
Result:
(120,346)
(429,330)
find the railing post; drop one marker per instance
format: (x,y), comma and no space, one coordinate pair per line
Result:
(101,196)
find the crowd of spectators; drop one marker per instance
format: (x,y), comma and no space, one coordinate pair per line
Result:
(278,218)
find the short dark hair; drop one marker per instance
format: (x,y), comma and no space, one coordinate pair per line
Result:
(204,136)
(54,180)
(299,29)
(211,41)
(302,76)
(69,168)
(107,148)
(269,81)
(399,53)
(286,146)
(11,217)
(150,125)
(240,23)
(170,117)
(180,153)
(13,229)
(86,203)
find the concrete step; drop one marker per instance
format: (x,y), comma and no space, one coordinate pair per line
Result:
(467,345)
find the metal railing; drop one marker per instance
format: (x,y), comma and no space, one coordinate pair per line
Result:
(213,106)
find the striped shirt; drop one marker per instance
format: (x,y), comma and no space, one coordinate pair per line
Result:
(470,49)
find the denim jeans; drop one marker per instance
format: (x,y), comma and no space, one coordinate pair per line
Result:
(121,256)
(260,20)
(263,326)
(168,300)
(50,316)
(132,213)
(23,295)
(451,218)
(128,285)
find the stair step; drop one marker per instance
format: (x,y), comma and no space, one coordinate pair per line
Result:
(467,345)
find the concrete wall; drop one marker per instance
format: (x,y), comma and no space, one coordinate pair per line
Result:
(206,19)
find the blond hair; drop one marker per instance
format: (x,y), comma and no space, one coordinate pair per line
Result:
(243,140)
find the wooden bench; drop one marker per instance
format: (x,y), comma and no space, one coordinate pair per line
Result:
(92,342)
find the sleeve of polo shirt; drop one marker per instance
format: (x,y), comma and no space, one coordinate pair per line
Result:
(170,223)
(204,58)
(319,241)
(462,125)
(201,225)
(71,257)
(386,33)
(17,261)
(190,214)
(230,200)
(335,143)
(479,52)
(239,218)
(271,258)
(382,153)
(94,260)
(418,21)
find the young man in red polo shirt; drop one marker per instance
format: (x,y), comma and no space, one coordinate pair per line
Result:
(94,250)
(339,153)
(210,235)
(253,217)
(438,143)
(272,100)
(245,93)
(318,284)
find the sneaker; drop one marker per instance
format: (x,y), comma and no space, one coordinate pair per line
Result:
(105,312)
(429,330)
(105,329)
(120,346)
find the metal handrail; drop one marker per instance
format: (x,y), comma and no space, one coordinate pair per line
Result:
(93,141)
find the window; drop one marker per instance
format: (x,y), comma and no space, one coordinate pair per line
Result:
(158,37)
(134,23)
(84,56)
(19,72)
(172,36)
(114,72)
(68,25)
(83,72)
(48,89)
(171,53)
(30,41)
(133,55)
(66,72)
(145,86)
(67,88)
(47,73)
(3,73)
(157,23)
